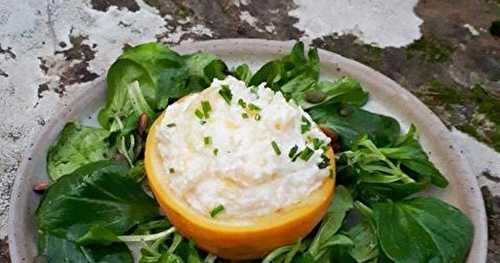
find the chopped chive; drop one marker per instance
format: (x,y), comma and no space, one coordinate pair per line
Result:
(276,148)
(257,117)
(253,107)
(324,163)
(207,140)
(203,122)
(306,125)
(324,147)
(242,103)
(217,210)
(205,106)
(244,115)
(170,125)
(317,143)
(216,151)
(171,170)
(306,154)
(198,114)
(226,94)
(293,151)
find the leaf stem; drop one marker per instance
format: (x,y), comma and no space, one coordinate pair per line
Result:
(120,123)
(175,243)
(291,254)
(210,258)
(139,103)
(144,238)
(363,209)
(276,253)
(395,169)
(124,151)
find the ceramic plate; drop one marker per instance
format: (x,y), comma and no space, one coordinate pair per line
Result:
(386,97)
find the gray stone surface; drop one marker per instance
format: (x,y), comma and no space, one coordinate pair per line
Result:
(51,50)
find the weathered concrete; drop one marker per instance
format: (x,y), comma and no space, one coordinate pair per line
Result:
(381,23)
(51,50)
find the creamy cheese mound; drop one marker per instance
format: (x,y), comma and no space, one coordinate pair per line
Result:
(232,146)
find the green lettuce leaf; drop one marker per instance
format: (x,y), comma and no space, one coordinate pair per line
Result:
(351,122)
(243,72)
(332,221)
(59,250)
(76,146)
(379,173)
(408,151)
(145,78)
(423,229)
(344,90)
(364,236)
(290,73)
(297,77)
(100,194)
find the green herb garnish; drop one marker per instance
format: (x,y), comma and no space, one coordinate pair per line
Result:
(293,151)
(207,140)
(257,117)
(226,94)
(198,114)
(217,210)
(171,170)
(170,125)
(216,151)
(244,115)
(253,107)
(325,162)
(204,113)
(276,148)
(306,125)
(205,106)
(317,143)
(306,154)
(242,103)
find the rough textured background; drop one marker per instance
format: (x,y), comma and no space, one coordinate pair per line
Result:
(440,50)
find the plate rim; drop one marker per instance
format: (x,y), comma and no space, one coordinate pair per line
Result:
(474,199)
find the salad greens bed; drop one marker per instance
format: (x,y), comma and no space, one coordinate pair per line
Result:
(97,209)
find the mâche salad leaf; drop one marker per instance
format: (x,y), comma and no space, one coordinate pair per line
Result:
(395,171)
(363,235)
(297,77)
(95,207)
(146,77)
(351,122)
(98,194)
(332,221)
(188,252)
(77,145)
(345,90)
(243,72)
(423,229)
(59,250)
(408,151)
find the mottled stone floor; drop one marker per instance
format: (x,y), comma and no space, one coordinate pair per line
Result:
(440,50)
